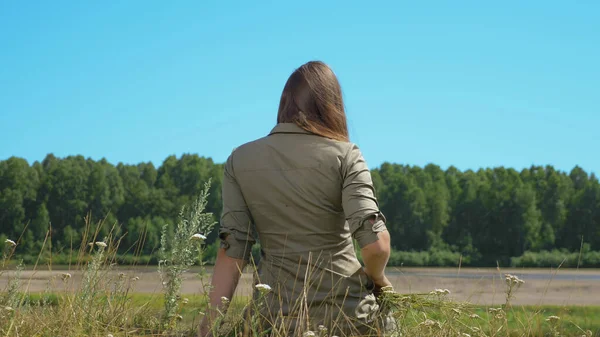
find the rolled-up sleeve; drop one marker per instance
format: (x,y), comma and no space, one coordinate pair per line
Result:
(236,225)
(358,199)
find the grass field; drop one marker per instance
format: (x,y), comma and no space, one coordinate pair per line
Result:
(572,295)
(517,321)
(96,298)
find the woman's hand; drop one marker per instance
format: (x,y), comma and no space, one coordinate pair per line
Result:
(380,283)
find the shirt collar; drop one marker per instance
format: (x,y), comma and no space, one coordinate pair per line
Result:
(288,128)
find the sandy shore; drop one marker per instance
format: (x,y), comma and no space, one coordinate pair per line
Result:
(476,285)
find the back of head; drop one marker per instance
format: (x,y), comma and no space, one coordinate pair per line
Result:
(312,99)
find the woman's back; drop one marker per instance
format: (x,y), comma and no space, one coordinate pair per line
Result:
(305,195)
(292,185)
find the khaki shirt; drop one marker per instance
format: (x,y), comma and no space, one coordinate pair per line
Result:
(307,197)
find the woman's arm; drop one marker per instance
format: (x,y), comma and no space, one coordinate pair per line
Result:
(375,257)
(236,237)
(366,221)
(226,275)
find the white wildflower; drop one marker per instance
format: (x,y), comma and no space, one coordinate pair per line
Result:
(121,275)
(309,334)
(10,242)
(9,309)
(263,288)
(185,301)
(109,335)
(65,276)
(101,244)
(552,319)
(198,237)
(91,244)
(322,329)
(512,279)
(135,278)
(430,323)
(440,292)
(465,335)
(474,316)
(224,300)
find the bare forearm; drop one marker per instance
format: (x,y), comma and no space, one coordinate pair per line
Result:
(225,277)
(376,255)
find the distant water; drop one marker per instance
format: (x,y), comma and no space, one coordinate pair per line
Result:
(564,276)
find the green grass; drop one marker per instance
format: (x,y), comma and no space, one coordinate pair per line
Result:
(518,321)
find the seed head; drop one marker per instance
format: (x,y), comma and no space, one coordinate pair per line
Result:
(10,242)
(387,289)
(430,323)
(101,244)
(198,237)
(263,288)
(552,319)
(309,334)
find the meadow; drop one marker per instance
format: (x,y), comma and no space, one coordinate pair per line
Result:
(97,297)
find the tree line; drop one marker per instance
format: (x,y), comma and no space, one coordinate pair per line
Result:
(486,216)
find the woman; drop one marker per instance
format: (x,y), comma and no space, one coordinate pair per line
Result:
(307,191)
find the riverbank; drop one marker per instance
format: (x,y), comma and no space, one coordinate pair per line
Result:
(480,286)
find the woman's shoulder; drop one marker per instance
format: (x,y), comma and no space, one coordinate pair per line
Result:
(250,146)
(305,148)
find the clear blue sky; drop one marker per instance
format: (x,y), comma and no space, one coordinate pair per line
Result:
(469,83)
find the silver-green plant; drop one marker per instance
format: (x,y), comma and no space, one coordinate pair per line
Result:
(13,295)
(89,285)
(181,251)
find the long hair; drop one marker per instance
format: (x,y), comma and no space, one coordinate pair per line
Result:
(312,99)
